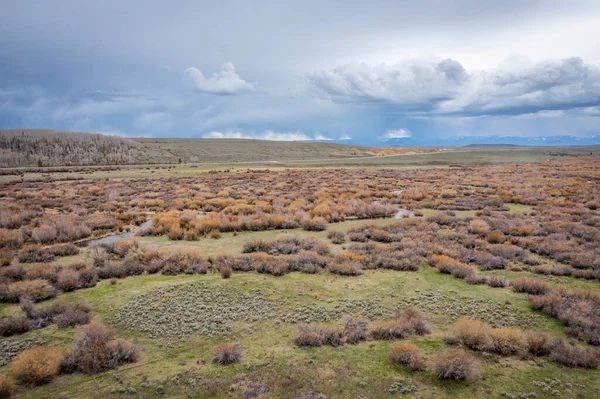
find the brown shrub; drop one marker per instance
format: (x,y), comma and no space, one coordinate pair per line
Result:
(409,355)
(97,350)
(7,387)
(497,281)
(227,354)
(64,250)
(336,237)
(473,334)
(37,290)
(225,271)
(479,226)
(506,341)
(355,329)
(575,356)
(388,330)
(332,336)
(35,255)
(530,286)
(74,314)
(414,322)
(308,336)
(495,237)
(13,325)
(68,280)
(314,224)
(579,310)
(345,267)
(538,344)
(6,256)
(36,366)
(455,364)
(256,246)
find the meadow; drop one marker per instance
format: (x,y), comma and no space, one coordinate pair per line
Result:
(303,280)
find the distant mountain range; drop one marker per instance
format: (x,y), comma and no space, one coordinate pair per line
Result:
(493,140)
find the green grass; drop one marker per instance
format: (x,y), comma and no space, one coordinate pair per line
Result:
(291,369)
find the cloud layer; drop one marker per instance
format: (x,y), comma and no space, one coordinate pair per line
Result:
(444,86)
(226,81)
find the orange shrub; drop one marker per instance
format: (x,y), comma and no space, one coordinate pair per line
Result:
(407,354)
(36,366)
(455,364)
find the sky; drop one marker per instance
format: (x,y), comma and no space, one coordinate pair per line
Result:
(378,72)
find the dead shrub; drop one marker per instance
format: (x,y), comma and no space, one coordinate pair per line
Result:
(68,280)
(575,356)
(455,364)
(225,271)
(35,255)
(332,336)
(314,224)
(473,334)
(13,325)
(408,355)
(228,353)
(36,366)
(37,290)
(74,314)
(506,341)
(530,286)
(355,329)
(495,237)
(97,350)
(579,310)
(538,344)
(336,237)
(388,330)
(414,322)
(256,246)
(308,336)
(7,387)
(6,256)
(498,281)
(345,267)
(64,250)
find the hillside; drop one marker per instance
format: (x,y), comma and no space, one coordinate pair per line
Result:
(34,147)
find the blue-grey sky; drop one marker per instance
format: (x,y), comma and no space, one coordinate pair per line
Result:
(352,71)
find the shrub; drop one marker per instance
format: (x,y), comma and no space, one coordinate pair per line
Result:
(579,310)
(68,279)
(506,341)
(12,273)
(497,281)
(227,354)
(308,336)
(530,286)
(37,290)
(473,334)
(64,250)
(256,246)
(407,354)
(479,226)
(43,271)
(575,356)
(36,366)
(314,224)
(345,267)
(414,321)
(495,237)
(7,387)
(35,255)
(225,271)
(538,344)
(88,278)
(13,325)
(97,350)
(455,364)
(388,330)
(355,329)
(6,256)
(332,336)
(336,237)
(73,315)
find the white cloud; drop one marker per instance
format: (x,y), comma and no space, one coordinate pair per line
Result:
(444,86)
(396,134)
(226,81)
(268,135)
(273,136)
